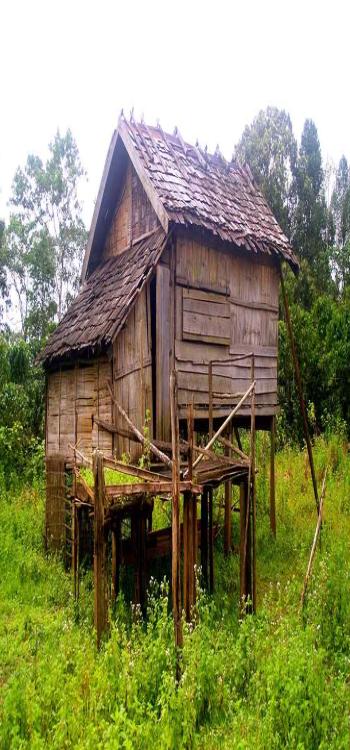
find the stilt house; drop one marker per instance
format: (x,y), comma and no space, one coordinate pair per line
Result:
(181,272)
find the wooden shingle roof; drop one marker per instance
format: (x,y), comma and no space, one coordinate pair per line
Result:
(104,302)
(204,190)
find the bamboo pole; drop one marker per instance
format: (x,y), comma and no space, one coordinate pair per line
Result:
(141,438)
(175,556)
(300,390)
(225,423)
(314,543)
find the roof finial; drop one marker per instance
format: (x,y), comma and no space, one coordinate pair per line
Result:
(158,124)
(175,130)
(121,115)
(132,115)
(142,119)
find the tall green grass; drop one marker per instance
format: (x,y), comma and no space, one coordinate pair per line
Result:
(276,680)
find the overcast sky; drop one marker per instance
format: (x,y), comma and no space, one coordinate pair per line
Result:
(206,67)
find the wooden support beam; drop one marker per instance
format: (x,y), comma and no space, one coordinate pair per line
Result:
(116,558)
(175,551)
(245,547)
(141,438)
(211,541)
(228,502)
(204,537)
(100,582)
(229,444)
(300,391)
(151,488)
(238,438)
(226,422)
(272,478)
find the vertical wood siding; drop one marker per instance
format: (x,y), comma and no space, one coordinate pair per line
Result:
(74,396)
(133,371)
(133,217)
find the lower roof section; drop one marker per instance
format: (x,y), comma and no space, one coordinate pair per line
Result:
(104,302)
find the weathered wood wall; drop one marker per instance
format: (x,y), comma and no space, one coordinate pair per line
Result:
(226,305)
(74,395)
(132,366)
(133,215)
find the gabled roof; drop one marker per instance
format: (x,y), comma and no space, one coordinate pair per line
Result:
(190,187)
(104,302)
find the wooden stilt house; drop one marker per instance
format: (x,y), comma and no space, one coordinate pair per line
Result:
(181,273)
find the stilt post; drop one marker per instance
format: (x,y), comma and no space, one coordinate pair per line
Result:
(300,392)
(211,542)
(100,583)
(228,503)
(175,558)
(272,477)
(204,537)
(116,554)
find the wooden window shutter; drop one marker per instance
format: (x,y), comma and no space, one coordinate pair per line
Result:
(205,317)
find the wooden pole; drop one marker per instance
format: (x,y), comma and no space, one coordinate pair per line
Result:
(116,554)
(245,547)
(100,587)
(211,542)
(204,537)
(190,528)
(228,502)
(210,391)
(74,548)
(300,390)
(314,543)
(175,556)
(141,438)
(272,477)
(253,487)
(225,423)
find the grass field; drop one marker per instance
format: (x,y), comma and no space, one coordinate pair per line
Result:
(276,680)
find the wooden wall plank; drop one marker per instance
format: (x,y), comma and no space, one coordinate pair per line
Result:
(163,344)
(132,382)
(250,290)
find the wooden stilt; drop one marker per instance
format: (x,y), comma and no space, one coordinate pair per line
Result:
(245,547)
(228,502)
(211,541)
(138,536)
(142,530)
(100,587)
(175,551)
(116,554)
(204,538)
(74,548)
(300,391)
(78,522)
(272,478)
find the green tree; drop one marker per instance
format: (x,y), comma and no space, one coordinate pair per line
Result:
(311,220)
(46,235)
(340,212)
(269,147)
(3,280)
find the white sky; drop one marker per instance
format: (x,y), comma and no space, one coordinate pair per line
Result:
(206,67)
